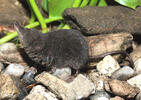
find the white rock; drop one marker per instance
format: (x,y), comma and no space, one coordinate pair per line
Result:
(35,96)
(138,65)
(121,74)
(117,98)
(98,79)
(82,86)
(15,70)
(100,85)
(135,81)
(101,98)
(63,73)
(108,65)
(42,92)
(100,95)
(7,47)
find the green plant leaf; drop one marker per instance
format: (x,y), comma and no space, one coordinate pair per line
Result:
(130,3)
(76,3)
(93,2)
(44,5)
(57,7)
(102,3)
(84,3)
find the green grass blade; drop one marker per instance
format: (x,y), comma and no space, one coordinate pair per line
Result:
(38,15)
(76,3)
(102,3)
(66,26)
(84,3)
(32,18)
(93,2)
(44,5)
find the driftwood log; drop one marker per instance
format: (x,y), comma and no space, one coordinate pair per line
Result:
(100,44)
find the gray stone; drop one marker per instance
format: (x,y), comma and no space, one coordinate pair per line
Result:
(123,73)
(82,86)
(1,66)
(10,54)
(100,95)
(138,97)
(6,47)
(15,70)
(63,73)
(8,88)
(135,81)
(28,77)
(137,64)
(57,86)
(108,65)
(40,93)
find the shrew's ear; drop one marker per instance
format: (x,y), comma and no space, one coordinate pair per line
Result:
(19,29)
(17,26)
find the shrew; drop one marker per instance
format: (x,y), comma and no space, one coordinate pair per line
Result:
(55,49)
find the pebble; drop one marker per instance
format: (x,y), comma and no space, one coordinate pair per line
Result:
(28,77)
(82,86)
(116,98)
(135,81)
(100,95)
(57,86)
(100,85)
(136,54)
(63,73)
(121,74)
(98,79)
(1,66)
(8,88)
(40,93)
(121,88)
(35,96)
(8,47)
(137,64)
(138,97)
(108,65)
(10,54)
(15,70)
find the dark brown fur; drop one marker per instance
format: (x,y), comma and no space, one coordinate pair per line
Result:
(61,48)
